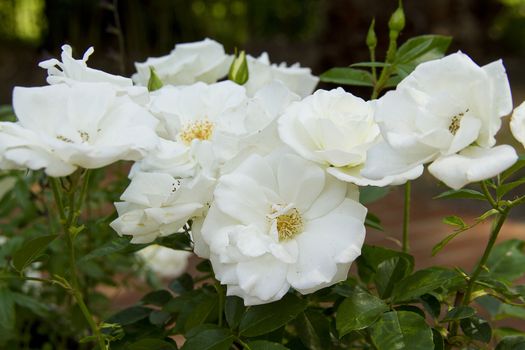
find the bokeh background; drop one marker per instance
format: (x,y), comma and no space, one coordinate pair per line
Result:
(317,33)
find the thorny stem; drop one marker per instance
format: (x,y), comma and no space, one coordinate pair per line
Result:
(220,293)
(120,38)
(68,223)
(406,218)
(496,227)
(481,265)
(373,59)
(55,185)
(489,197)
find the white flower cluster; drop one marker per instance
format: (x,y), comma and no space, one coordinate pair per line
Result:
(267,172)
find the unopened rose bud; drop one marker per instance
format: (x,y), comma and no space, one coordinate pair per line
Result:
(154,82)
(239,69)
(397,20)
(371,38)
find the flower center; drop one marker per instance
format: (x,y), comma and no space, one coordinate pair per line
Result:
(63,138)
(289,225)
(455,122)
(201,130)
(84,136)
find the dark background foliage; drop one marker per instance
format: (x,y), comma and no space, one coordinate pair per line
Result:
(317,33)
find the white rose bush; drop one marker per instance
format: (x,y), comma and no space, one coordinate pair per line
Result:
(241,208)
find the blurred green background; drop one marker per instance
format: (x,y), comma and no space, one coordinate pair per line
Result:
(317,33)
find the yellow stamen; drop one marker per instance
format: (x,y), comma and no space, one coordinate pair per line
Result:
(289,225)
(455,123)
(200,130)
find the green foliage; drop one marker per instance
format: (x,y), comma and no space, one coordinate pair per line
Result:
(347,76)
(399,64)
(31,251)
(358,311)
(208,337)
(476,328)
(425,281)
(458,313)
(507,261)
(263,319)
(401,330)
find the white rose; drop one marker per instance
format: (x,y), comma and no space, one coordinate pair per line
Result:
(166,262)
(444,107)
(62,127)
(278,222)
(205,126)
(71,71)
(296,78)
(156,205)
(517,123)
(186,64)
(335,128)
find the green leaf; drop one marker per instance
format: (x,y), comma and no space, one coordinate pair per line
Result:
(372,256)
(454,221)
(506,261)
(411,308)
(314,330)
(370,64)
(204,266)
(151,343)
(373,221)
(423,282)
(438,247)
(520,163)
(182,284)
(393,81)
(476,328)
(28,302)
(422,48)
(358,311)
(116,245)
(370,194)
(208,337)
(463,193)
(159,318)
(158,298)
(154,82)
(401,330)
(7,113)
(459,313)
(506,188)
(239,69)
(7,309)
(431,304)
(177,241)
(439,343)
(233,310)
(130,315)
(200,312)
(503,332)
(512,343)
(266,345)
(347,76)
(262,319)
(510,311)
(389,272)
(30,251)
